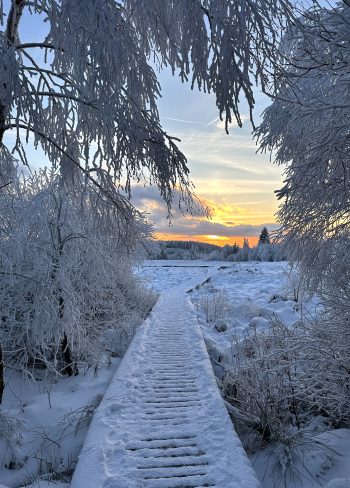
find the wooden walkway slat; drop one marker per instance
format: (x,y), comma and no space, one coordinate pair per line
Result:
(162,422)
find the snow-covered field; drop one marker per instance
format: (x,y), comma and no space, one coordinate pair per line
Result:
(242,298)
(164,274)
(47,424)
(49,420)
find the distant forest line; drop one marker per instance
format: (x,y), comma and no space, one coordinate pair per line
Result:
(265,250)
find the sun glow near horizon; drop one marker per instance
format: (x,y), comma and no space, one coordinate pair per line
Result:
(231,224)
(209,239)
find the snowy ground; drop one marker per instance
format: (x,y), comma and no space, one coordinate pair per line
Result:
(164,274)
(243,297)
(240,298)
(50,422)
(237,298)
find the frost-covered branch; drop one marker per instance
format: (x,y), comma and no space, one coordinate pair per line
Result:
(41,45)
(307,127)
(101,51)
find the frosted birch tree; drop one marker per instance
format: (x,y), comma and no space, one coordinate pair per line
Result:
(66,277)
(308,127)
(88,90)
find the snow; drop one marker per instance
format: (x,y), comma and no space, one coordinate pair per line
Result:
(164,391)
(244,296)
(339,483)
(47,484)
(324,463)
(162,422)
(52,418)
(163,274)
(247,295)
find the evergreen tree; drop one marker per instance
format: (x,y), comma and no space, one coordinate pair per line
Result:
(264,237)
(235,248)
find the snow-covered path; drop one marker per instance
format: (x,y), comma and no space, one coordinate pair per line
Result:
(162,423)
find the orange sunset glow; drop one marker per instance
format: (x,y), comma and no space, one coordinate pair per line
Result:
(228,223)
(210,239)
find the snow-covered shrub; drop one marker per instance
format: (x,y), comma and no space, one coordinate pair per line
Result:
(283,377)
(248,309)
(296,286)
(262,382)
(326,360)
(215,304)
(10,434)
(220,325)
(298,459)
(325,269)
(66,275)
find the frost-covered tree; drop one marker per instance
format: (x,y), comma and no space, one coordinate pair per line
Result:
(88,90)
(244,253)
(308,126)
(66,275)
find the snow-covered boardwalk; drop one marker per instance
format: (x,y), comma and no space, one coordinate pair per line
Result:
(162,423)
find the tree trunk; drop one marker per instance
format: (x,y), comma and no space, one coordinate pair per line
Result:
(13,19)
(2,382)
(69,368)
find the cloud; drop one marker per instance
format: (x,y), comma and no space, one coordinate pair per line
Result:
(212,122)
(227,220)
(207,227)
(183,121)
(234,181)
(148,199)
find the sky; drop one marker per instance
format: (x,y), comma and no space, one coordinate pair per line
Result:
(229,176)
(235,182)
